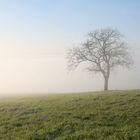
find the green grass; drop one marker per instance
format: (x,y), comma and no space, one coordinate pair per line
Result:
(112,115)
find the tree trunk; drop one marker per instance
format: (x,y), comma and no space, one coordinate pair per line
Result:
(106,83)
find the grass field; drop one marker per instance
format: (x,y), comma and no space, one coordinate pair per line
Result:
(112,115)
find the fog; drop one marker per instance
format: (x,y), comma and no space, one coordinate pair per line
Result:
(35,36)
(33,69)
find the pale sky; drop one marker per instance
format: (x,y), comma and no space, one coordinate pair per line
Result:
(35,34)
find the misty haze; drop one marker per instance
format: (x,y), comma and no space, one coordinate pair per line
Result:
(69,70)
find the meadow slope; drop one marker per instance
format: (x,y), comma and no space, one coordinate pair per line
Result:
(112,115)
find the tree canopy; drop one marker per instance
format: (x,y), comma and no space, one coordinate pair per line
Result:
(103,50)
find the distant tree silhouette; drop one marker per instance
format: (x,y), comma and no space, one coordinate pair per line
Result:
(103,50)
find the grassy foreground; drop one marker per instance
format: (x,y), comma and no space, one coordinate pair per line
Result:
(112,115)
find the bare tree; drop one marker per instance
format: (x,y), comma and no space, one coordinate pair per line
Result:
(103,50)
